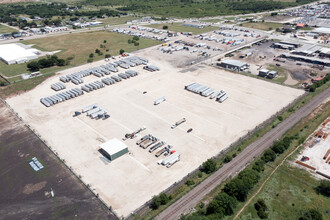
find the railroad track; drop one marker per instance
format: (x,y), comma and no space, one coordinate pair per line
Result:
(191,199)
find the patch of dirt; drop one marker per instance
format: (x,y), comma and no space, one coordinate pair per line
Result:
(31,188)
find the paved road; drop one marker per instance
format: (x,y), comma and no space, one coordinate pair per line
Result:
(191,199)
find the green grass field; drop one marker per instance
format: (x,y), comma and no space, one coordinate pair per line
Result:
(288,193)
(78,46)
(266,26)
(281,76)
(5,29)
(178,27)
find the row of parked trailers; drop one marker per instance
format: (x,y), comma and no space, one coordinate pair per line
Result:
(108,81)
(60,97)
(58,86)
(205,91)
(94,111)
(105,69)
(171,157)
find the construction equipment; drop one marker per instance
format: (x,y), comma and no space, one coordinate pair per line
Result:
(304,158)
(133,134)
(178,123)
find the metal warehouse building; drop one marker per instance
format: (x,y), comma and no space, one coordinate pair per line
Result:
(14,53)
(113,149)
(234,65)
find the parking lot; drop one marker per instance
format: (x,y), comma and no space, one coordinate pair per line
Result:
(129,181)
(262,55)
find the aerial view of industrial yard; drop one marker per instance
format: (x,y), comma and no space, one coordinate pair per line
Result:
(165,109)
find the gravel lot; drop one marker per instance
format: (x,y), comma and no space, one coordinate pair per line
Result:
(131,180)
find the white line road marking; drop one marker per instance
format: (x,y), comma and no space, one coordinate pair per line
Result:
(141,164)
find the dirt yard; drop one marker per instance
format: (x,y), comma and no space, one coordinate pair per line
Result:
(316,148)
(26,194)
(131,180)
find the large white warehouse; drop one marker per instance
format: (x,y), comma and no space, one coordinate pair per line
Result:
(14,53)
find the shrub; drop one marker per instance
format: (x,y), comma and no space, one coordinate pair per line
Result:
(163,198)
(91,55)
(268,156)
(222,204)
(311,214)
(209,166)
(33,66)
(190,182)
(227,159)
(261,208)
(136,44)
(107,55)
(89,60)
(136,38)
(258,166)
(155,202)
(121,51)
(165,27)
(324,188)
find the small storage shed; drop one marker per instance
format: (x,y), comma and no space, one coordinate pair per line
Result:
(113,149)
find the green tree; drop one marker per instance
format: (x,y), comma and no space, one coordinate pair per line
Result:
(324,188)
(121,51)
(163,198)
(261,208)
(136,44)
(97,51)
(259,165)
(107,55)
(209,166)
(278,147)
(268,156)
(222,204)
(91,55)
(33,66)
(227,159)
(190,182)
(165,27)
(136,38)
(61,62)
(105,41)
(129,41)
(155,202)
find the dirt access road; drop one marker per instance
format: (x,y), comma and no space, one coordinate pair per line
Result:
(191,199)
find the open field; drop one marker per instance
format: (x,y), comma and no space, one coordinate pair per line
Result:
(69,44)
(214,125)
(178,27)
(5,29)
(24,193)
(265,26)
(289,193)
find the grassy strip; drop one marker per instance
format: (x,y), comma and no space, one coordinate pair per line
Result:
(198,177)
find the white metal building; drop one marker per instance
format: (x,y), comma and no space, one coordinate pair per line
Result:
(113,149)
(13,53)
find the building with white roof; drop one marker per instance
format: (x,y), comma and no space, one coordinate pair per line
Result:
(15,54)
(113,149)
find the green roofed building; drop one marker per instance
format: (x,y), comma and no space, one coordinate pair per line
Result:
(113,149)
